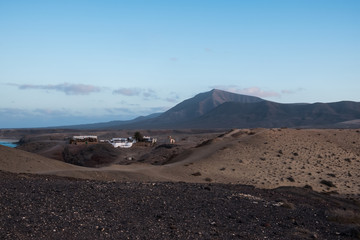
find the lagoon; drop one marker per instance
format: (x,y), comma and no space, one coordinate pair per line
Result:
(8,142)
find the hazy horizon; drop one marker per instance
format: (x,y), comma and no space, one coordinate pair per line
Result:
(68,63)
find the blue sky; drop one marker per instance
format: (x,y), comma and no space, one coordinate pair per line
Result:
(70,62)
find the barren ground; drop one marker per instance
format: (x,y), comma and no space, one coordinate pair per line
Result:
(326,160)
(191,189)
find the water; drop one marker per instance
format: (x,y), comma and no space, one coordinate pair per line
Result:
(8,143)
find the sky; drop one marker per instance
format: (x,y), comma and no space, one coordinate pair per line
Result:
(71,62)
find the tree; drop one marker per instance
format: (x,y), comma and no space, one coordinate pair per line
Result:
(138,137)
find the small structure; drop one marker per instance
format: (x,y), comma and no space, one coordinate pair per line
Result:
(83,139)
(149,139)
(171,140)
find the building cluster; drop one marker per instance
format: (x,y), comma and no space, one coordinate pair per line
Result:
(115,142)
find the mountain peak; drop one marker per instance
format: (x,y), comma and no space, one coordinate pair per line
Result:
(223,92)
(205,102)
(224,96)
(219,91)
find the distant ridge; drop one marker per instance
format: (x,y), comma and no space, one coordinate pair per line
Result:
(221,109)
(111,124)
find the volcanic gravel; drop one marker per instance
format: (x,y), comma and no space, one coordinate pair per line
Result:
(48,207)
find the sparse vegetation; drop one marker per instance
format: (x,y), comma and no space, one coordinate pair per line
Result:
(327,183)
(291,179)
(196,174)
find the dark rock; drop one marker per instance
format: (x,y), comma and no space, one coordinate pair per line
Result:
(37,207)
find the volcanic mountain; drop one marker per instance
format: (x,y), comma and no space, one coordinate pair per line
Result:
(221,109)
(203,103)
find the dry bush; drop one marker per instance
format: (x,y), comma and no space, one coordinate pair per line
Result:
(291,179)
(327,183)
(196,174)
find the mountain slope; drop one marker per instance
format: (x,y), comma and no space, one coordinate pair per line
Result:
(203,103)
(272,114)
(112,124)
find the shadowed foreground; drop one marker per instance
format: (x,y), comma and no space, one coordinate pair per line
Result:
(44,207)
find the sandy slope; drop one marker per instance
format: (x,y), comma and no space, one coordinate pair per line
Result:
(266,158)
(281,157)
(18,161)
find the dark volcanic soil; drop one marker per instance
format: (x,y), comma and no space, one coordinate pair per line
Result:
(45,207)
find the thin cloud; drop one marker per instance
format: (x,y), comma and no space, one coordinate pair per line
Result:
(12,112)
(38,112)
(119,110)
(130,92)
(123,102)
(67,88)
(256,91)
(150,94)
(127,91)
(50,112)
(287,91)
(173,98)
(252,91)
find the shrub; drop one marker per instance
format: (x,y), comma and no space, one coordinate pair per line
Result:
(327,183)
(196,174)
